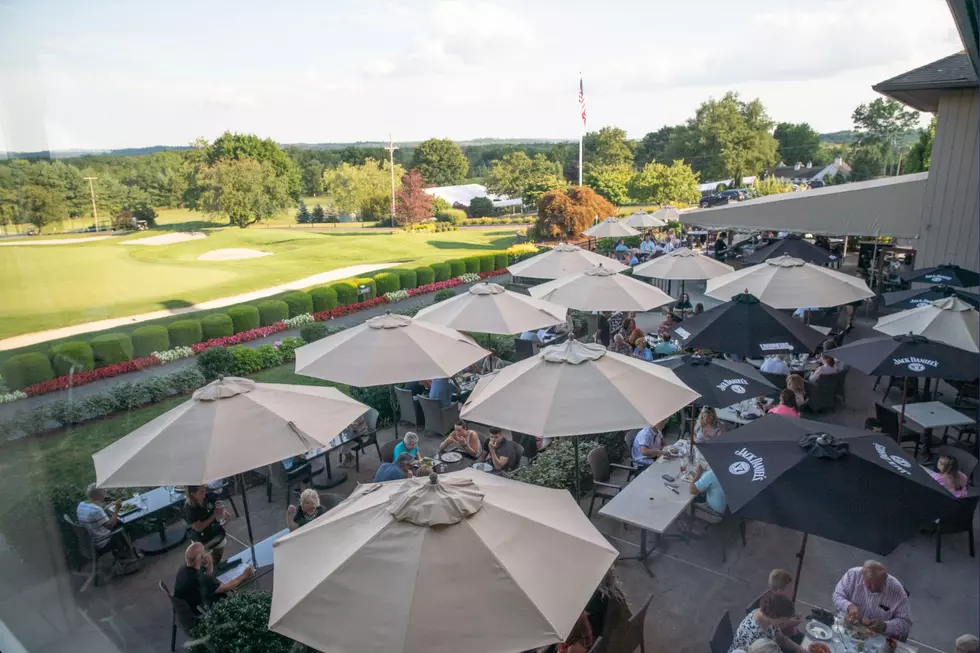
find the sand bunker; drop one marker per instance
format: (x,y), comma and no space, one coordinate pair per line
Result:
(231,254)
(167,239)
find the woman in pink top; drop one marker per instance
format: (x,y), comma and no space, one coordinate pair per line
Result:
(948,475)
(787,405)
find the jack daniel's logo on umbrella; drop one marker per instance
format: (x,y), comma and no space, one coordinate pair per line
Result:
(915,364)
(920,301)
(683,333)
(776,346)
(752,462)
(939,278)
(897,463)
(735,385)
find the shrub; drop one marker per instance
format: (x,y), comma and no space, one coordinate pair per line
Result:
(406,279)
(244,318)
(372,288)
(346,292)
(215,362)
(454,216)
(272,311)
(324,298)
(239,623)
(27,369)
(486,263)
(501,260)
(219,325)
(472,264)
(188,378)
(377,397)
(314,332)
(148,339)
(456,267)
(184,333)
(247,360)
(111,348)
(129,395)
(443,295)
(74,354)
(425,275)
(442,271)
(269,356)
(387,282)
(288,346)
(298,303)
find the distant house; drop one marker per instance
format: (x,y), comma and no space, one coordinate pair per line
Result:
(466,193)
(709,187)
(804,174)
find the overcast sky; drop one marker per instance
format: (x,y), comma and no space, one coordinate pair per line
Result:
(125,73)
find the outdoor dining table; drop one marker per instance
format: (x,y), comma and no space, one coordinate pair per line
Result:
(876,643)
(650,504)
(930,415)
(152,502)
(730,415)
(795,366)
(328,478)
(243,559)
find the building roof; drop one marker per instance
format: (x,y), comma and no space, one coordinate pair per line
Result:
(466,193)
(712,185)
(790,172)
(920,88)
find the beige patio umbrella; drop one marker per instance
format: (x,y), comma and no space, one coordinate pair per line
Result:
(682,264)
(611,228)
(668,214)
(601,289)
(467,561)
(388,349)
(787,282)
(564,259)
(949,320)
(644,220)
(489,308)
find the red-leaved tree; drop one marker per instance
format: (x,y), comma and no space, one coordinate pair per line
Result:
(412,203)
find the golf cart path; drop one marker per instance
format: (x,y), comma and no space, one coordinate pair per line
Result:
(324,277)
(54,241)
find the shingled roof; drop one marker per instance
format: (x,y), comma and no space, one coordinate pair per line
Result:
(920,88)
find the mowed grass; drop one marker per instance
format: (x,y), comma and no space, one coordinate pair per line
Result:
(47,287)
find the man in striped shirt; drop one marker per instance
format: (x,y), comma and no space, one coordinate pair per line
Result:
(869,593)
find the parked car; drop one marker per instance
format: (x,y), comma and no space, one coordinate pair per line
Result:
(724,197)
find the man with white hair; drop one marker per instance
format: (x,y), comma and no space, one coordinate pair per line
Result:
(967,644)
(101,524)
(870,596)
(196,584)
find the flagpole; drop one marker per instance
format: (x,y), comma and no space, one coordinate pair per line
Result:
(580,137)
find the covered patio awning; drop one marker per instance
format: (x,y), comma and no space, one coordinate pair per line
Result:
(880,207)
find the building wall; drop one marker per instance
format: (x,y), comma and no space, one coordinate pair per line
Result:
(949,231)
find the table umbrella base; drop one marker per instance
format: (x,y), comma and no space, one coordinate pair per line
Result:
(644,553)
(163,540)
(325,481)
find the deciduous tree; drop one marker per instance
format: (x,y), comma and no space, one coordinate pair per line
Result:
(40,206)
(232,146)
(611,181)
(412,203)
(564,214)
(243,190)
(662,184)
(920,154)
(653,146)
(882,121)
(441,162)
(608,146)
(516,172)
(797,142)
(352,188)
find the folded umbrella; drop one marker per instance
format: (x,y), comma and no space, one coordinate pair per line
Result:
(946,274)
(919,296)
(563,260)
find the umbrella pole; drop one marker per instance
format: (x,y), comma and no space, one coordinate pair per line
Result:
(394,408)
(799,566)
(901,422)
(248,520)
(690,456)
(578,472)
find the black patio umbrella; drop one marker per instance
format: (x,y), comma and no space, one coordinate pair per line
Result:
(791,245)
(720,383)
(747,327)
(947,274)
(918,296)
(854,487)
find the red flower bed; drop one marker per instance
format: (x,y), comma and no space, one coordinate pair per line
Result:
(84,378)
(239,338)
(494,273)
(434,287)
(340,311)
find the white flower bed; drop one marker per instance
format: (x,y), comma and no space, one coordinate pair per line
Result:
(174,354)
(469,277)
(397,295)
(16,395)
(299,321)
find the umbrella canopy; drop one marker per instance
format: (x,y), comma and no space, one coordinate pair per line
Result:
(611,228)
(601,289)
(489,308)
(747,327)
(644,220)
(464,562)
(920,296)
(575,389)
(947,274)
(787,282)
(388,349)
(949,320)
(791,245)
(563,260)
(874,496)
(720,383)
(228,427)
(909,355)
(684,265)
(668,214)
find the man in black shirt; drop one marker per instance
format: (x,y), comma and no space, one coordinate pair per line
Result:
(500,452)
(196,584)
(204,514)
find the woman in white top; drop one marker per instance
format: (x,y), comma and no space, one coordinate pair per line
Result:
(708,425)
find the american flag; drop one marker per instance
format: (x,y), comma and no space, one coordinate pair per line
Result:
(581,100)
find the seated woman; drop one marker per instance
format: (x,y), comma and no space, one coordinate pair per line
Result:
(642,351)
(786,406)
(796,385)
(708,425)
(309,509)
(765,622)
(409,445)
(204,513)
(466,441)
(948,475)
(827,366)
(635,336)
(629,325)
(669,323)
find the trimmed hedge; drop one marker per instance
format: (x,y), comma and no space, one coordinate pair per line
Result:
(501,260)
(425,275)
(472,264)
(407,279)
(346,292)
(148,339)
(456,267)
(27,369)
(73,353)
(184,333)
(323,298)
(244,318)
(298,303)
(272,311)
(111,348)
(219,325)
(313,332)
(486,262)
(372,288)
(442,271)
(387,282)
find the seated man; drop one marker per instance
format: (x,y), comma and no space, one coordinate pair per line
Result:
(648,245)
(464,440)
(665,347)
(869,596)
(648,444)
(396,471)
(94,518)
(442,389)
(620,246)
(705,486)
(500,452)
(196,584)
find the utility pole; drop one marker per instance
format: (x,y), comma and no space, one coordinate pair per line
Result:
(95,212)
(391,164)
(898,170)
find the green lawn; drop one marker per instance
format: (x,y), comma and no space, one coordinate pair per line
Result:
(46,287)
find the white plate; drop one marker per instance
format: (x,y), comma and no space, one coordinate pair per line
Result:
(817,630)
(482,467)
(451,457)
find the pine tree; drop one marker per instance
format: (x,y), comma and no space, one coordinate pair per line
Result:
(318,215)
(303,213)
